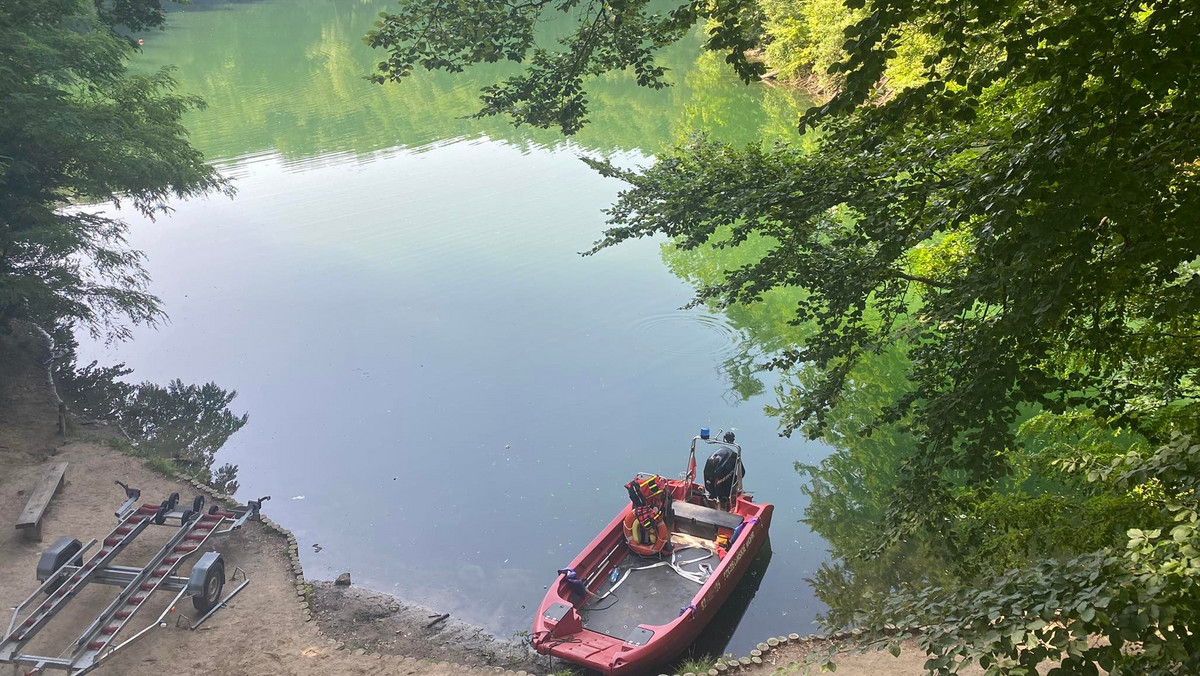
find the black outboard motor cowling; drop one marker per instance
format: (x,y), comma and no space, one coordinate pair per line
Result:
(722,472)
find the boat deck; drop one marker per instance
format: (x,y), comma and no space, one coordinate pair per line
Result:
(652,596)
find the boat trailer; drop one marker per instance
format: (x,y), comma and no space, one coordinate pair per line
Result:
(64,572)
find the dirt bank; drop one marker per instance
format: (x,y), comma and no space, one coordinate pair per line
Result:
(380,622)
(804,656)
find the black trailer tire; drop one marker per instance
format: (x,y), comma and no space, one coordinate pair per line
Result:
(160,517)
(214,583)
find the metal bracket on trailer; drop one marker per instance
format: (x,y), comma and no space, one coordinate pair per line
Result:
(240,515)
(131,496)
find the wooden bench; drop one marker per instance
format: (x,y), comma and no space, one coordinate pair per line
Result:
(31,519)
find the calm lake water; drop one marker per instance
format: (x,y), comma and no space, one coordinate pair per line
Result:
(442,393)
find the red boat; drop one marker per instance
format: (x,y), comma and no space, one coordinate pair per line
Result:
(642,591)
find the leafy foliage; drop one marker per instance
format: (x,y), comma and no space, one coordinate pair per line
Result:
(134,15)
(1142,598)
(610,36)
(1039,511)
(807,36)
(79,128)
(1025,253)
(1073,188)
(1022,228)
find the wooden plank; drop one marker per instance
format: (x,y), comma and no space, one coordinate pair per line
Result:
(31,518)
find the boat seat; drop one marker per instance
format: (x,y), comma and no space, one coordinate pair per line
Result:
(702,521)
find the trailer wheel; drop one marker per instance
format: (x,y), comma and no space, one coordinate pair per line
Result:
(160,517)
(173,500)
(214,582)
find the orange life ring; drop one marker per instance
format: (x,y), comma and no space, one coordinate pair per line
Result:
(636,533)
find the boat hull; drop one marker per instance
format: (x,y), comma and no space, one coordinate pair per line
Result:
(559,629)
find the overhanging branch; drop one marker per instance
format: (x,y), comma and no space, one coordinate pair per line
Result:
(923,280)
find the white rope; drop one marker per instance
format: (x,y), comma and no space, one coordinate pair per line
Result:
(699,577)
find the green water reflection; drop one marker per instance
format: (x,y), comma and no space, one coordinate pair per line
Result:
(289,77)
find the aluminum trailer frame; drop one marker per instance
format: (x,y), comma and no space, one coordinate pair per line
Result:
(64,572)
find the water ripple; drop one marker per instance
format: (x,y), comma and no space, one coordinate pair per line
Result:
(687,332)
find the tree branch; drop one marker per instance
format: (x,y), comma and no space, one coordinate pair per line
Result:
(924,280)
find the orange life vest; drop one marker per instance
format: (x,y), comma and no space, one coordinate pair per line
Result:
(646,531)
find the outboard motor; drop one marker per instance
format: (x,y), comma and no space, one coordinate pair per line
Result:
(723,474)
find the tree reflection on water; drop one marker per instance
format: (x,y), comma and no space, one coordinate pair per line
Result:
(178,424)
